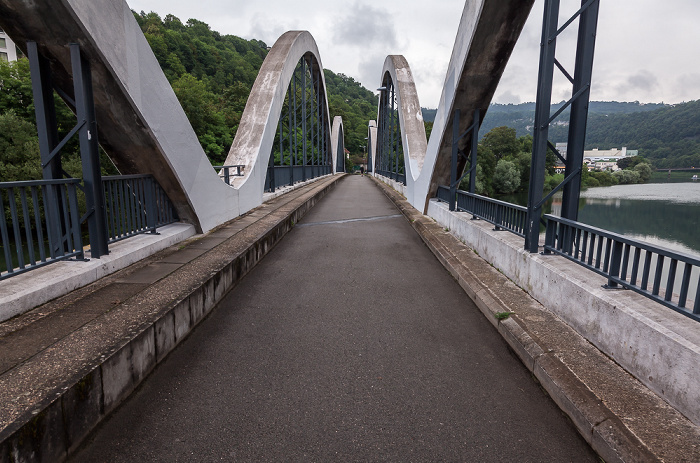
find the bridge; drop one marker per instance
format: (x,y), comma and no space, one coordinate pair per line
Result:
(349,341)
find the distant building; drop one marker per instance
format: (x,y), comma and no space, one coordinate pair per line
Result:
(596,159)
(561,147)
(8,50)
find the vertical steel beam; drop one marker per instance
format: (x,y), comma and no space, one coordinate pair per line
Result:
(541,129)
(293,126)
(47,128)
(455,159)
(89,153)
(304,114)
(579,108)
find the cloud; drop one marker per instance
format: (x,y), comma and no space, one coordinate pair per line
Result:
(262,28)
(370,70)
(643,80)
(507,97)
(365,25)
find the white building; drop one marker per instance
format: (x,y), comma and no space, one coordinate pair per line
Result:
(8,51)
(597,159)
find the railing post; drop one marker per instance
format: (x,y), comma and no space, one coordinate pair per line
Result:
(550,236)
(615,261)
(455,155)
(75,219)
(94,194)
(151,208)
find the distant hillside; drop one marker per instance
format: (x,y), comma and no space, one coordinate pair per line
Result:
(212,75)
(668,135)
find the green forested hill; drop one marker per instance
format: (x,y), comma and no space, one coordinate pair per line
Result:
(212,75)
(667,135)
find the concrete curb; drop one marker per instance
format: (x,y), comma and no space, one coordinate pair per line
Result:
(600,427)
(55,426)
(19,292)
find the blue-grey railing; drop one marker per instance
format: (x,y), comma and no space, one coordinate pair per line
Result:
(401,178)
(135,204)
(39,224)
(649,270)
(501,214)
(289,175)
(227,170)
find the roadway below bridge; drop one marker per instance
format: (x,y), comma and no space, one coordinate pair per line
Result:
(349,342)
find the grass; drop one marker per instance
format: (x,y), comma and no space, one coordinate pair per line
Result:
(502,315)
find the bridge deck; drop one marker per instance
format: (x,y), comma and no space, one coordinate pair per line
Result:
(350,342)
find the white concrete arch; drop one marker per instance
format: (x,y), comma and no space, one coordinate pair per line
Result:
(141,124)
(371,145)
(256,132)
(485,39)
(413,137)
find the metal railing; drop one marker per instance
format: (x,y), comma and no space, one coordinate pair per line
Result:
(227,172)
(289,175)
(501,214)
(649,270)
(135,204)
(401,178)
(39,224)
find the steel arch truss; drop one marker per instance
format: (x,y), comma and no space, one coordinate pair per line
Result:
(301,150)
(389,161)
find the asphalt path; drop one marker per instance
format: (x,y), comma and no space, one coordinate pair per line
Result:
(348,342)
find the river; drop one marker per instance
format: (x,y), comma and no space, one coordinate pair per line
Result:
(664,214)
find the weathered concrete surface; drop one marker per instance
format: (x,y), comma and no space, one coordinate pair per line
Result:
(75,375)
(256,132)
(413,139)
(658,346)
(342,348)
(371,145)
(487,34)
(141,124)
(621,418)
(24,292)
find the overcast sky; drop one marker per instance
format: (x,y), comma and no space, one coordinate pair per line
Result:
(646,50)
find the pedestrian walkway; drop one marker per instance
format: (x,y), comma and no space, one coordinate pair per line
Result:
(67,364)
(349,342)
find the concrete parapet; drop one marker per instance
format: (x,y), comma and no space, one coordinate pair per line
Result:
(20,294)
(619,417)
(52,400)
(660,347)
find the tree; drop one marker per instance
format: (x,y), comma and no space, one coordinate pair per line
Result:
(506,177)
(630,162)
(502,142)
(627,176)
(19,149)
(644,171)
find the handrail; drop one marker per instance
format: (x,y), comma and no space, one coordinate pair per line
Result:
(396,176)
(135,204)
(501,214)
(39,224)
(618,258)
(227,172)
